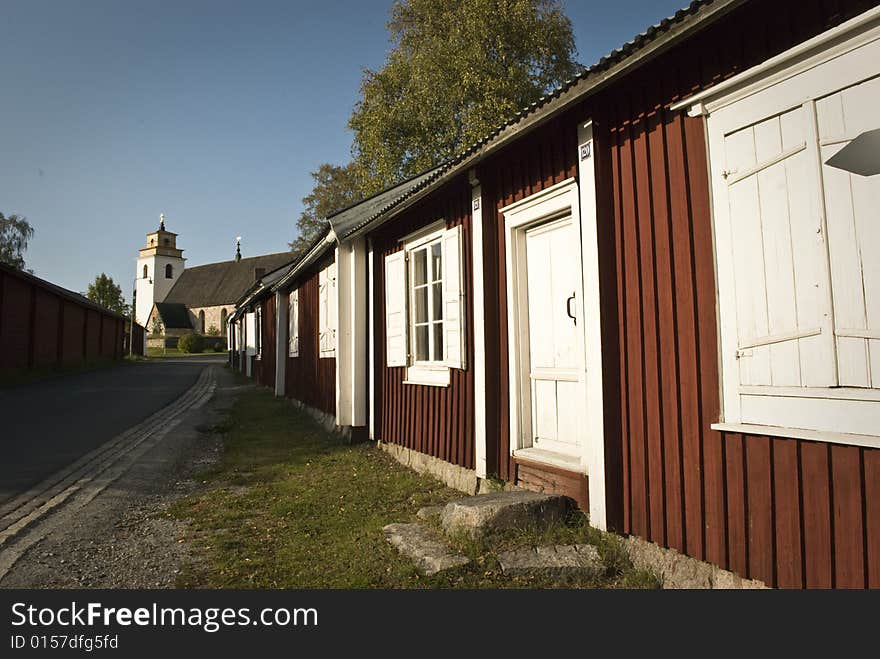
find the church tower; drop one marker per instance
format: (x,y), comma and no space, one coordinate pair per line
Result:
(159,265)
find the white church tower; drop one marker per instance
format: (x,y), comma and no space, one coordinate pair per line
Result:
(159,265)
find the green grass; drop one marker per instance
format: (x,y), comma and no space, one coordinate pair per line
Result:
(289,506)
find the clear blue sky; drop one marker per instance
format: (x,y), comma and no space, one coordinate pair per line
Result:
(211,112)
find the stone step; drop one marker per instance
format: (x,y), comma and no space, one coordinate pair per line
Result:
(558,561)
(500,511)
(429,513)
(426,549)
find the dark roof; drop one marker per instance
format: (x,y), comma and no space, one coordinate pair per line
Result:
(61,292)
(618,62)
(348,219)
(223,283)
(173,316)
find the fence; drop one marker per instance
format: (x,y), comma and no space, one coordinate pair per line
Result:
(45,326)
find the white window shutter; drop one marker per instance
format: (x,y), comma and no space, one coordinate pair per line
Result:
(395,309)
(454,350)
(322,312)
(332,309)
(293,323)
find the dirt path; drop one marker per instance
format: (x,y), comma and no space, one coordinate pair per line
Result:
(125,537)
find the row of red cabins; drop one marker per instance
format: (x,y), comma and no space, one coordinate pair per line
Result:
(648,291)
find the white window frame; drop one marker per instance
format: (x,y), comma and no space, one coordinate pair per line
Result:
(429,371)
(435,372)
(293,323)
(327,311)
(813,413)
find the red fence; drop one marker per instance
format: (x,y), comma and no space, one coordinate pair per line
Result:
(44,325)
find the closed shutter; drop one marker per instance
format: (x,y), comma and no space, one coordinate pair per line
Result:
(851,207)
(327,311)
(778,248)
(293,324)
(453,300)
(395,309)
(332,310)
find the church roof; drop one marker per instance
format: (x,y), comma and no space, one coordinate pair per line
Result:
(173,316)
(225,282)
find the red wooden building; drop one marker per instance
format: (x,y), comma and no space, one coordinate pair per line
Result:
(655,291)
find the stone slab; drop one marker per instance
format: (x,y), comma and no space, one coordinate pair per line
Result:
(430,512)
(426,549)
(556,561)
(500,511)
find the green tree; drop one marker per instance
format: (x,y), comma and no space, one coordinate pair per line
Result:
(456,71)
(335,188)
(105,292)
(15,232)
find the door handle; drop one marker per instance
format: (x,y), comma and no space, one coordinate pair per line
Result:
(568,309)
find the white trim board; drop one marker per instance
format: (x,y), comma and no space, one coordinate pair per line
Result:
(846,439)
(480,448)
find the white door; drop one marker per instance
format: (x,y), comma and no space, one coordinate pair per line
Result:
(552,267)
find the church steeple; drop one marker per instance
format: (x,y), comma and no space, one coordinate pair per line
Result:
(159,265)
(238,248)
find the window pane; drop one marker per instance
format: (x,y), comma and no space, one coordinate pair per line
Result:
(438,301)
(438,342)
(436,263)
(422,343)
(421,299)
(420,267)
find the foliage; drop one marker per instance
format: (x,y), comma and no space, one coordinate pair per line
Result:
(335,188)
(213,330)
(191,342)
(105,292)
(219,346)
(158,329)
(457,70)
(15,232)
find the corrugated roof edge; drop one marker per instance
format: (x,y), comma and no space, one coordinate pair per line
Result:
(262,285)
(63,292)
(695,16)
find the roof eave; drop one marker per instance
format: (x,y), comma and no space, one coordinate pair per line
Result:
(319,249)
(590,84)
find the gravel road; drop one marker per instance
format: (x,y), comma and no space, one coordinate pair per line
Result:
(125,537)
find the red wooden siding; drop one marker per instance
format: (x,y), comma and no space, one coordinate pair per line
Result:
(788,512)
(266,368)
(437,421)
(309,378)
(41,326)
(529,166)
(15,327)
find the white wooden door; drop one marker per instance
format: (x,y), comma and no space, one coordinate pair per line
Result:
(852,208)
(552,266)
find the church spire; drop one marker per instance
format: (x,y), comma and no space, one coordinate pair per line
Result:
(161,221)
(238,248)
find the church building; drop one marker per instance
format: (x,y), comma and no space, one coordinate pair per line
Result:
(172,300)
